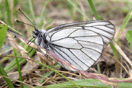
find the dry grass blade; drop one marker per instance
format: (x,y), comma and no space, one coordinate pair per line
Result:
(83,10)
(122,53)
(19,81)
(119,63)
(44,59)
(5,51)
(15,45)
(18,47)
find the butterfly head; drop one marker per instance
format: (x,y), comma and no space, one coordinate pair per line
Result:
(40,38)
(36,32)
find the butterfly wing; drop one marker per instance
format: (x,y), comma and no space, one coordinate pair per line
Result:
(104,28)
(80,44)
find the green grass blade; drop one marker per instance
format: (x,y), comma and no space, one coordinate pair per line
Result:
(125,85)
(42,14)
(115,52)
(129,38)
(127,18)
(31,9)
(12,29)
(89,83)
(8,12)
(18,66)
(82,83)
(94,10)
(13,65)
(98,68)
(77,9)
(8,81)
(2,34)
(121,1)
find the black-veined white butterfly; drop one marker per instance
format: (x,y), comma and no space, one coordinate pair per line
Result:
(81,43)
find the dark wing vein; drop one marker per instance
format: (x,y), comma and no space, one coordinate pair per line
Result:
(78,58)
(88,56)
(90,42)
(73,37)
(52,49)
(102,30)
(65,57)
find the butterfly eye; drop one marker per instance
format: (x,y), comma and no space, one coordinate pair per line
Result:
(45,41)
(35,33)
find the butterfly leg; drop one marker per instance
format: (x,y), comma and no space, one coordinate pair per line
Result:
(83,27)
(39,42)
(29,42)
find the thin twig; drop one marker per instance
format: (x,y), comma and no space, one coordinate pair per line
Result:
(122,53)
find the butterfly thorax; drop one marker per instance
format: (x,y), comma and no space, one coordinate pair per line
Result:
(40,38)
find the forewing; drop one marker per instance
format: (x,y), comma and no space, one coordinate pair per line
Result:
(104,28)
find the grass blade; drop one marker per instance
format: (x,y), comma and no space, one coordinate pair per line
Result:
(127,18)
(42,13)
(31,9)
(77,9)
(2,34)
(94,10)
(82,83)
(8,81)
(8,12)
(18,66)
(129,38)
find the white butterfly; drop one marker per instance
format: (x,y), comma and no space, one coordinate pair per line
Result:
(81,43)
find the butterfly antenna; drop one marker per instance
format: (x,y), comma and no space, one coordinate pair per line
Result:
(28,19)
(24,23)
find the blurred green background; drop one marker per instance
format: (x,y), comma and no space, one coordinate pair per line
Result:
(49,13)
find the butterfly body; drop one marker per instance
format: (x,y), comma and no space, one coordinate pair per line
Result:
(80,44)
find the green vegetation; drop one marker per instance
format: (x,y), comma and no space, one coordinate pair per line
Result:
(46,14)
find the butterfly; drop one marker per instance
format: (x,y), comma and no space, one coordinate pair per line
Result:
(81,43)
